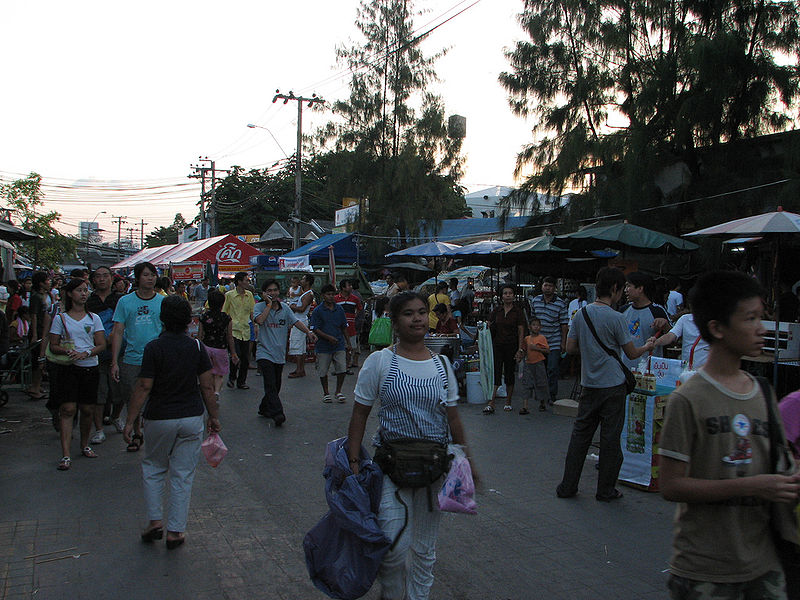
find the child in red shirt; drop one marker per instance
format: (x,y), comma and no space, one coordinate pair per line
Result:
(534,378)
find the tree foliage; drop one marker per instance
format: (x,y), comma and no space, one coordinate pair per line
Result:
(162,236)
(390,139)
(23,197)
(618,90)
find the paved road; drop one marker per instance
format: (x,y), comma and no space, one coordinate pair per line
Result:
(249,515)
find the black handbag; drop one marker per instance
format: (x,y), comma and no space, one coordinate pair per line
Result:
(783,520)
(630,380)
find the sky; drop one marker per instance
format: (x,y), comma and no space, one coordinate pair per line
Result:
(112,102)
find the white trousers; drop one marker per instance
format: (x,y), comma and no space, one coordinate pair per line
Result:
(407,570)
(172,446)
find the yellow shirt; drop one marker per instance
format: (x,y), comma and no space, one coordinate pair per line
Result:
(433,300)
(240,308)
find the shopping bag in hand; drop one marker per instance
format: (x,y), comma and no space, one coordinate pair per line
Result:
(380,334)
(214,449)
(457,493)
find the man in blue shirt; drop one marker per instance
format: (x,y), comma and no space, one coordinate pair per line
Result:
(137,318)
(554,317)
(329,323)
(274,319)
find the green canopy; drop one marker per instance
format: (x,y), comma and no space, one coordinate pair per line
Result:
(538,244)
(622,235)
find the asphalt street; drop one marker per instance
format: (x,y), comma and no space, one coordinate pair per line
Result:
(75,534)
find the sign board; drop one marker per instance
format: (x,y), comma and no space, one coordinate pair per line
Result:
(294,263)
(187,270)
(343,216)
(666,370)
(249,238)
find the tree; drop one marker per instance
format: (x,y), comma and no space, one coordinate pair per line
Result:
(674,75)
(162,236)
(23,197)
(390,139)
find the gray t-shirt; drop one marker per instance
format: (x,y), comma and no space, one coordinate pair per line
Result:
(598,368)
(640,326)
(273,333)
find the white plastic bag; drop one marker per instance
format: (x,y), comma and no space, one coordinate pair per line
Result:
(458,491)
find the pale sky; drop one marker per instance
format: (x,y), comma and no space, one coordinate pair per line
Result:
(128,95)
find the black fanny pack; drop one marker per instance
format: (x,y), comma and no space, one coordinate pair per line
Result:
(412,463)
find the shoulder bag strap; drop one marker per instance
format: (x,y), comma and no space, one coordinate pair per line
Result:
(608,350)
(65,335)
(773,425)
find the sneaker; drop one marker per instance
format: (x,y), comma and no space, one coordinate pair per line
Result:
(119,425)
(98,437)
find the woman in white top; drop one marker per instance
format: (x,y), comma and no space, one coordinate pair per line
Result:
(692,345)
(79,335)
(418,397)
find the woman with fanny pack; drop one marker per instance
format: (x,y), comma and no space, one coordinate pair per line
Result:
(76,338)
(418,417)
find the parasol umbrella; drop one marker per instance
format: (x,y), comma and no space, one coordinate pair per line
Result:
(770,226)
(428,249)
(542,243)
(622,235)
(477,248)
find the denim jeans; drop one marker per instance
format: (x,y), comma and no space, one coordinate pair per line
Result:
(271,376)
(238,373)
(553,362)
(604,407)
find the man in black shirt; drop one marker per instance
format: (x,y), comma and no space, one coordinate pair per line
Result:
(102,302)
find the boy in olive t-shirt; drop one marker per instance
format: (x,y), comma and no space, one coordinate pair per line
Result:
(715,456)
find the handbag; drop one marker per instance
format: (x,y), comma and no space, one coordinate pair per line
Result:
(380,333)
(66,341)
(630,380)
(783,516)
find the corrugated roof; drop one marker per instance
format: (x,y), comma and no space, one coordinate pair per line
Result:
(471,229)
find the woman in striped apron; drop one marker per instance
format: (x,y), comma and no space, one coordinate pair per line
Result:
(418,397)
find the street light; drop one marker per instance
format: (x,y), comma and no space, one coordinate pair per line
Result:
(254,126)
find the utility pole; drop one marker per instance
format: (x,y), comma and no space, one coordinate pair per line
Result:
(119,221)
(298,177)
(200,172)
(141,234)
(130,231)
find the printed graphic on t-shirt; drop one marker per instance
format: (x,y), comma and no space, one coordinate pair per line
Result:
(634,327)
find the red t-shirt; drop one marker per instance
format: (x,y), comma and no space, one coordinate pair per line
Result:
(13,304)
(449,326)
(351,305)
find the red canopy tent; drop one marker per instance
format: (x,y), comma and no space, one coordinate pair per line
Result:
(228,252)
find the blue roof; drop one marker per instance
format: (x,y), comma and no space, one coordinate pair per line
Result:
(344,248)
(453,229)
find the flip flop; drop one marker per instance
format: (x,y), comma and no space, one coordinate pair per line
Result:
(507,408)
(488,410)
(41,396)
(296,376)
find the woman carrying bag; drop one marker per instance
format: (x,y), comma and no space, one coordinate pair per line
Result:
(418,415)
(76,338)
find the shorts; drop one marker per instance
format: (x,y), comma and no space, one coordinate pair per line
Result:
(297,340)
(75,385)
(219,361)
(127,379)
(324,360)
(354,344)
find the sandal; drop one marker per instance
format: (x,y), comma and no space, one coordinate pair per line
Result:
(151,535)
(542,408)
(136,442)
(488,410)
(340,398)
(327,399)
(88,452)
(507,408)
(295,375)
(64,464)
(524,411)
(615,495)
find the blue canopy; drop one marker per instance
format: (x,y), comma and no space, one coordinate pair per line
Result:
(344,248)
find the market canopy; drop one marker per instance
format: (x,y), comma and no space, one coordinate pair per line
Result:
(622,235)
(428,249)
(779,221)
(228,252)
(10,233)
(542,243)
(477,248)
(344,247)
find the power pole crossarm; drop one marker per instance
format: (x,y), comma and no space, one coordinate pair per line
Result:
(298,177)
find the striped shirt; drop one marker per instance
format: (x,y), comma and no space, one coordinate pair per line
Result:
(552,315)
(412,395)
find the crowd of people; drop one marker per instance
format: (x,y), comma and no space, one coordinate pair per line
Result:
(110,346)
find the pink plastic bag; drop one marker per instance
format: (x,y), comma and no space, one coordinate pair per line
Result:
(214,449)
(458,490)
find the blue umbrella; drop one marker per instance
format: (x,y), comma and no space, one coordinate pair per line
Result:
(482,247)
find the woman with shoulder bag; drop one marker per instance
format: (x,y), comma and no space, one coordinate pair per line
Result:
(76,338)
(418,416)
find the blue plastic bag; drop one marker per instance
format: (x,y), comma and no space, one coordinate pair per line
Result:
(346,547)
